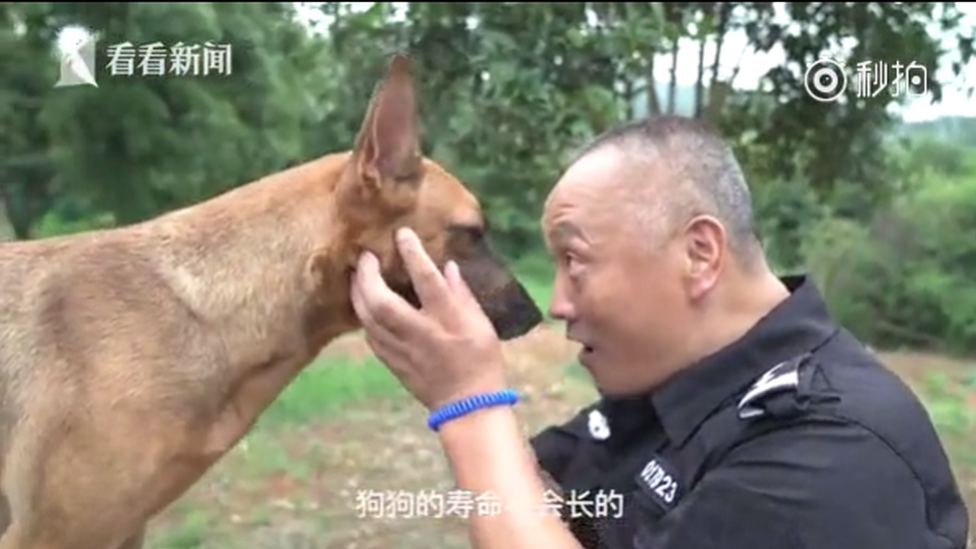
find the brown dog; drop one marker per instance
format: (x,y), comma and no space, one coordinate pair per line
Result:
(132,359)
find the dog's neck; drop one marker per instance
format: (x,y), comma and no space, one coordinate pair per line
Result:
(240,262)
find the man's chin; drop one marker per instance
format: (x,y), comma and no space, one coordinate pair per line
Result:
(592,362)
(611,392)
(615,389)
(603,386)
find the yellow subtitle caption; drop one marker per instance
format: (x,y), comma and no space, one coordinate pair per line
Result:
(403,504)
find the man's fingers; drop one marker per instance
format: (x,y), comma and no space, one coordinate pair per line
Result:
(376,304)
(424,275)
(385,344)
(359,306)
(460,288)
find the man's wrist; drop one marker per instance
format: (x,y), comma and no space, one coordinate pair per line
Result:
(476,424)
(490,385)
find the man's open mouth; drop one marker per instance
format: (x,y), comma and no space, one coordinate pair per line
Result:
(585,347)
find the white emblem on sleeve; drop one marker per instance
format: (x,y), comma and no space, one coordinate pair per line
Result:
(783,377)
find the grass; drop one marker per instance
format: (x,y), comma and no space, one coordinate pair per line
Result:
(328,386)
(952,405)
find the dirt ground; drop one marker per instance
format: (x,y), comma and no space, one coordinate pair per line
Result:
(373,477)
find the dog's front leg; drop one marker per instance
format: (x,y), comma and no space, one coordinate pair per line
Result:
(75,478)
(136,541)
(250,396)
(4,515)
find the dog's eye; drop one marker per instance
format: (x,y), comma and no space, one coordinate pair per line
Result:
(468,233)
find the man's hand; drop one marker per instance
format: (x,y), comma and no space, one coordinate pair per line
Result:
(446,350)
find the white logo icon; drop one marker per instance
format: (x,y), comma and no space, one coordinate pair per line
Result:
(825,80)
(77,58)
(599,428)
(782,377)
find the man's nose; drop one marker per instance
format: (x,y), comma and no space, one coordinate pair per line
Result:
(560,306)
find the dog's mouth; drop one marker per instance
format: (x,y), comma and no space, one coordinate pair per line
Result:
(510,319)
(509,307)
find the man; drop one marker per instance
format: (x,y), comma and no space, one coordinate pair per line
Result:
(735,413)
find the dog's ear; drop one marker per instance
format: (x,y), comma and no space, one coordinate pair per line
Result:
(388,145)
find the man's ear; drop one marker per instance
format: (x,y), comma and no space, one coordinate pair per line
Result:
(706,244)
(388,145)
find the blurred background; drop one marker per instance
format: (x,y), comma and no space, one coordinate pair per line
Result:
(875,193)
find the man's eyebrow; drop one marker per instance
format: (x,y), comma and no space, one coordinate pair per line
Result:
(563,232)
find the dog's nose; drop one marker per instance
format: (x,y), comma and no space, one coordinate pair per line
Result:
(512,311)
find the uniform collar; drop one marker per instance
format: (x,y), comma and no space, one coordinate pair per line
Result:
(798,324)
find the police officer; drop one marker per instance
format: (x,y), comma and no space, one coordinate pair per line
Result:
(734,413)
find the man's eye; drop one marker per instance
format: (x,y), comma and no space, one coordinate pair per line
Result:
(572,264)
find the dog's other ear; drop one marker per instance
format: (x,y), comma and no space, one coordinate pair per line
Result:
(388,145)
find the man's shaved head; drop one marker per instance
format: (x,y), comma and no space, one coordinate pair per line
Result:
(700,176)
(657,263)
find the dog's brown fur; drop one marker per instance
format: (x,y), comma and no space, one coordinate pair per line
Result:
(132,359)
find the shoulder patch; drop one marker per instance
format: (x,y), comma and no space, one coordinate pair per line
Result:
(598,425)
(784,377)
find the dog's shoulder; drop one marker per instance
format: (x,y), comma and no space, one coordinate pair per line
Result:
(83,267)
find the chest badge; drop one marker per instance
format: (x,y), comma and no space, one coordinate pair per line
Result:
(659,482)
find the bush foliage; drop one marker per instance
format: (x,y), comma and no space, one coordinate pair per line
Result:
(904,275)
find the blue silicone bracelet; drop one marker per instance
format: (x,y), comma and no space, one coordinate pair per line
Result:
(469,404)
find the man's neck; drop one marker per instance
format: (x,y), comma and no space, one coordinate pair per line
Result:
(742,304)
(737,307)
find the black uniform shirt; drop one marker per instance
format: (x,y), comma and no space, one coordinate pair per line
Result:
(793,437)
